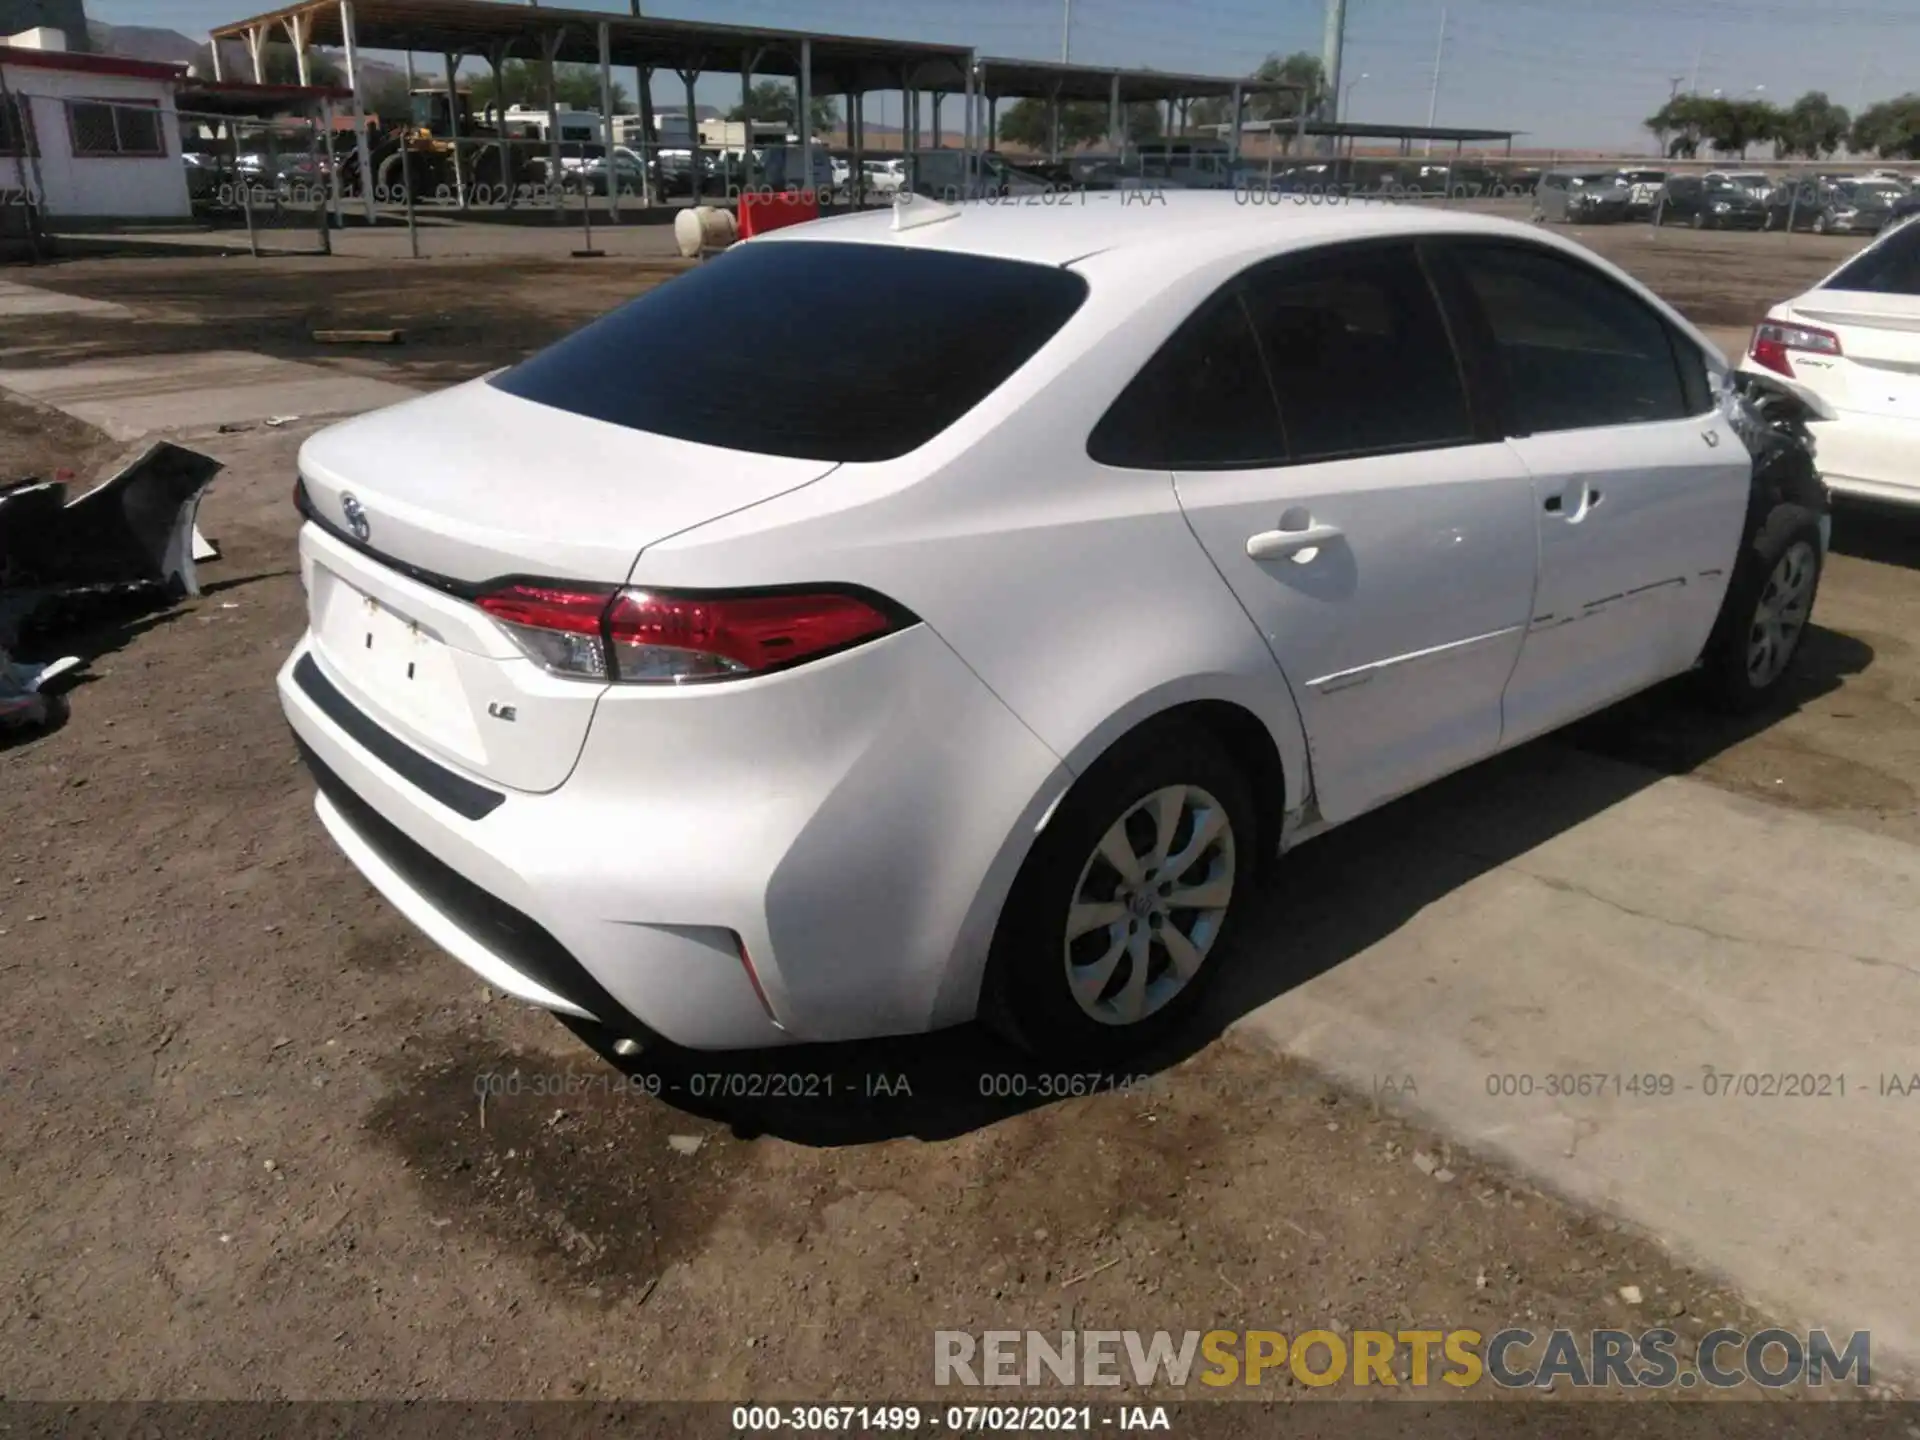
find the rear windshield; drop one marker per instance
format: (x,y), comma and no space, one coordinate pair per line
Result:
(816,350)
(1892,267)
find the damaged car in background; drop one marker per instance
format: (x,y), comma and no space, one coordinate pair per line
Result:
(131,543)
(1851,347)
(1580,197)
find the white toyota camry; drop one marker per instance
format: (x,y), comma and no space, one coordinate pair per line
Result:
(1854,341)
(909,617)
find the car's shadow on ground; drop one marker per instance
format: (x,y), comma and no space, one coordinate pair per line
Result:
(1324,903)
(1886,534)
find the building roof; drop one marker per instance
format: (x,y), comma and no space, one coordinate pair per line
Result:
(78,62)
(1004,78)
(840,62)
(1350,130)
(243,97)
(474,27)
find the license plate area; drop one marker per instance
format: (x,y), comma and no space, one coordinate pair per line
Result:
(398,663)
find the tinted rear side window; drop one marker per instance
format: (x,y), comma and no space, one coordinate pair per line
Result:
(1203,402)
(1890,268)
(1575,349)
(815,350)
(1359,355)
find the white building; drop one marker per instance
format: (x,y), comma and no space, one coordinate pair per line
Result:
(100,136)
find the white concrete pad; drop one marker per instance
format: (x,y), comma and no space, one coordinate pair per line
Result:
(129,399)
(19,300)
(1663,928)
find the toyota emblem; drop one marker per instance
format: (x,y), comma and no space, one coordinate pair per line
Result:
(356,514)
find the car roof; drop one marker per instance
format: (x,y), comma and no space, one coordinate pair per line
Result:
(1155,241)
(1192,227)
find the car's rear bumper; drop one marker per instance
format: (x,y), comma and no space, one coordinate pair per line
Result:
(852,826)
(1873,456)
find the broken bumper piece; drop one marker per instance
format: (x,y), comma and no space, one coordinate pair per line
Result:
(132,532)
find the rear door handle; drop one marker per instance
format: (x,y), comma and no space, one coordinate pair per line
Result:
(1281,544)
(1584,494)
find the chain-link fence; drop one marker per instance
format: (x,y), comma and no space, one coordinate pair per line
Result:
(290,184)
(273,177)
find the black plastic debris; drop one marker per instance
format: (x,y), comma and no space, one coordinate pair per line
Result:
(25,703)
(128,541)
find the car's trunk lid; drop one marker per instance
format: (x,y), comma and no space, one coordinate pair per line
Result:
(467,487)
(473,483)
(1878,371)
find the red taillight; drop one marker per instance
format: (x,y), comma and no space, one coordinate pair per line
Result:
(673,638)
(644,637)
(560,628)
(1774,341)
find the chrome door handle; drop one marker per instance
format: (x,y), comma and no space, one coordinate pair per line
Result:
(1281,544)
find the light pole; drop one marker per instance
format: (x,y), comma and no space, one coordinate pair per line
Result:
(1346,99)
(1066,28)
(1433,95)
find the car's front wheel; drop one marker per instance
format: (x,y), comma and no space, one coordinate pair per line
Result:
(1764,616)
(1114,924)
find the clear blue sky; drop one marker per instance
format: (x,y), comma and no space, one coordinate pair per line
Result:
(1569,72)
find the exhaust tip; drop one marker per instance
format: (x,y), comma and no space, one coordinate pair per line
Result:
(627,1046)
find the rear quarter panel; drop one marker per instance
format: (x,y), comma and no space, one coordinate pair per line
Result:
(1076,592)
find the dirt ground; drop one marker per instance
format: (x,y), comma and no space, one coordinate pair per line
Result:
(243,1149)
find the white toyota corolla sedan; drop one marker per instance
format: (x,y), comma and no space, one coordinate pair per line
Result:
(907,617)
(1854,341)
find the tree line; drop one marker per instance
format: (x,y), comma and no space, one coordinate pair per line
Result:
(1812,126)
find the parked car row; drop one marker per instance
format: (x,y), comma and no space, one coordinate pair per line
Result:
(1827,204)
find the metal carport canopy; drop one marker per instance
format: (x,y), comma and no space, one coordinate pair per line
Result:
(1008,79)
(841,63)
(1351,130)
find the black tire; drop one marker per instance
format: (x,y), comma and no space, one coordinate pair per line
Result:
(1728,681)
(1027,996)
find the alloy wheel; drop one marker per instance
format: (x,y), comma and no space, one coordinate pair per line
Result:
(1781,616)
(1149,904)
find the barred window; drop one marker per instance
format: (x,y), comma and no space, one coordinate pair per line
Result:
(16,127)
(101,127)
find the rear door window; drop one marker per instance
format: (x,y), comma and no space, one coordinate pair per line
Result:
(1360,357)
(1574,349)
(1892,267)
(820,350)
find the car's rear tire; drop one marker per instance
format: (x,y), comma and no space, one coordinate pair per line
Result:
(1765,614)
(1095,959)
